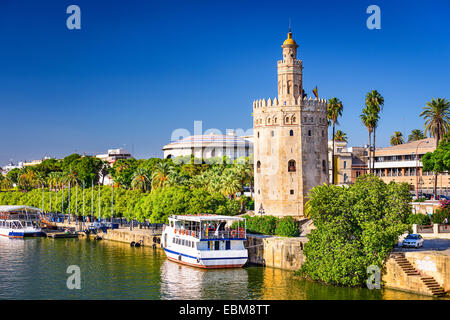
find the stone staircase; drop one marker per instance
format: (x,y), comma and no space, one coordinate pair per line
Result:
(430,283)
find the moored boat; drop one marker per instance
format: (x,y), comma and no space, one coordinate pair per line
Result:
(205,241)
(19,222)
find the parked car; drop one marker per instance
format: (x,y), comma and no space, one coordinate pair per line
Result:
(413,240)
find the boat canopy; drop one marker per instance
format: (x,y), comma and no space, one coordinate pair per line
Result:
(15,209)
(205,217)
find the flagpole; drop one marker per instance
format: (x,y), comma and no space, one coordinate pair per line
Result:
(83,204)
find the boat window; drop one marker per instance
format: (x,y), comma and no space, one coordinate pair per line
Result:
(227,245)
(216,245)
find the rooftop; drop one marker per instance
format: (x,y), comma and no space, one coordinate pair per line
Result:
(425,145)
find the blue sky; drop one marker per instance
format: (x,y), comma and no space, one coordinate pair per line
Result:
(137,70)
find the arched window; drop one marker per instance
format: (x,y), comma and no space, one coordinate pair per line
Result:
(169,156)
(291,166)
(258,133)
(287,119)
(294,119)
(309,133)
(268,120)
(258,166)
(291,133)
(324,165)
(275,120)
(322,133)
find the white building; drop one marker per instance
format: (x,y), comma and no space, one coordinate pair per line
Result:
(114,154)
(210,146)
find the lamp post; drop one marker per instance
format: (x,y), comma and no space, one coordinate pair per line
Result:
(261,210)
(417,168)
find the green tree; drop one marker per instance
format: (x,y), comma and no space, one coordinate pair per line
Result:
(416,135)
(334,111)
(369,120)
(122,172)
(355,227)
(436,114)
(374,103)
(397,138)
(141,180)
(340,136)
(161,174)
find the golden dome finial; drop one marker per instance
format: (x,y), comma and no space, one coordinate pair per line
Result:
(289,39)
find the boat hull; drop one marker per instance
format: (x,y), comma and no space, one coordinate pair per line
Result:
(206,263)
(14,233)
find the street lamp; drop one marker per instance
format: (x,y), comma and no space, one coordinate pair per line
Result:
(417,168)
(261,210)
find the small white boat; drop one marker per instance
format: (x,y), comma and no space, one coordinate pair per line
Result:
(205,241)
(19,221)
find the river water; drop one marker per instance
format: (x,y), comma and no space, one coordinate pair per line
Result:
(36,269)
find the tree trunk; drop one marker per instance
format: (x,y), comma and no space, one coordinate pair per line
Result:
(370,152)
(373,155)
(332,158)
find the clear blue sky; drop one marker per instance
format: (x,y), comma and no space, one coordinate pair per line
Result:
(137,70)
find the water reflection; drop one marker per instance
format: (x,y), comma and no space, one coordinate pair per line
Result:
(36,269)
(184,282)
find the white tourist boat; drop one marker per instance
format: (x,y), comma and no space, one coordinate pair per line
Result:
(205,240)
(19,221)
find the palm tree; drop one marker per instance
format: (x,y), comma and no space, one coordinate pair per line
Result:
(369,120)
(160,174)
(375,103)
(415,135)
(334,111)
(397,138)
(436,115)
(340,136)
(141,180)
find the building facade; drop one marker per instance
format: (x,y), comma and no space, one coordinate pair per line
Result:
(402,163)
(349,162)
(290,142)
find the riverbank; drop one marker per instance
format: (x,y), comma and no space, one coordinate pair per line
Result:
(287,254)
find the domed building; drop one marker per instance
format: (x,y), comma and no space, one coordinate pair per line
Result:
(210,146)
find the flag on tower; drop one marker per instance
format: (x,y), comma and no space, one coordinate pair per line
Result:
(315,92)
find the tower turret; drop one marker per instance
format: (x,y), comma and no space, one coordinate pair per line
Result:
(289,71)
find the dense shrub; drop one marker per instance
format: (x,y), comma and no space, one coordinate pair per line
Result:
(131,204)
(419,218)
(440,214)
(287,227)
(356,227)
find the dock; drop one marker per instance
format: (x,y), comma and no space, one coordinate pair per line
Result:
(60,234)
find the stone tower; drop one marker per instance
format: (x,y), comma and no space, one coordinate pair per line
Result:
(290,142)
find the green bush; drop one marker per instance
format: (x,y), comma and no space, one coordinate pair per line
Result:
(356,227)
(287,227)
(419,218)
(439,215)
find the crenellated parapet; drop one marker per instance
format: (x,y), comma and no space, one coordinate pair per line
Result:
(307,103)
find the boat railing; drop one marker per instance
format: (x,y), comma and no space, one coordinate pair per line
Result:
(225,234)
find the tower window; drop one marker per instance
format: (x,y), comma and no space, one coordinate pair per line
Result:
(292,191)
(309,133)
(275,120)
(268,121)
(322,133)
(258,134)
(324,164)
(291,133)
(305,119)
(258,166)
(294,119)
(291,166)
(273,133)
(287,119)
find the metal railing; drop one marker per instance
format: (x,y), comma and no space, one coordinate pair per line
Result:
(226,234)
(444,228)
(425,229)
